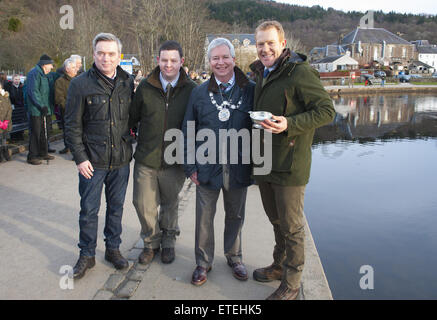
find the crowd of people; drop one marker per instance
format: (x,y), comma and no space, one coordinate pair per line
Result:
(42,95)
(105,109)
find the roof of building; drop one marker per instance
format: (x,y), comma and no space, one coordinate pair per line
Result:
(418,63)
(232,37)
(328,51)
(373,35)
(420,42)
(427,49)
(332,59)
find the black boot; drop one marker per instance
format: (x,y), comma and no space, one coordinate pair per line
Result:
(6,153)
(82,265)
(1,155)
(115,257)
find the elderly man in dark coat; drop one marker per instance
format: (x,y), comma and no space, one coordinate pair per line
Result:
(220,104)
(61,89)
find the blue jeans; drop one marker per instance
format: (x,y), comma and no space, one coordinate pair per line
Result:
(90,191)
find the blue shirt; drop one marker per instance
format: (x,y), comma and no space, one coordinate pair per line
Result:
(165,82)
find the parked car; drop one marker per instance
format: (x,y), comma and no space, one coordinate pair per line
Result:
(380,74)
(370,79)
(403,77)
(415,76)
(434,75)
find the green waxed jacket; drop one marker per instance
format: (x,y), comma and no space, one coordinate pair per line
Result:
(292,90)
(156,113)
(38,91)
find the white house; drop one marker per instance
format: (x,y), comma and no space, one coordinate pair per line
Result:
(427,55)
(335,63)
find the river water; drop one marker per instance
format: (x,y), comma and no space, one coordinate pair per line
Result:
(372,197)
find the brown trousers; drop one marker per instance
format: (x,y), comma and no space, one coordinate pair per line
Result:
(155,189)
(284,208)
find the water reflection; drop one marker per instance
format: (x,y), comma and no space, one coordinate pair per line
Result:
(370,117)
(371,198)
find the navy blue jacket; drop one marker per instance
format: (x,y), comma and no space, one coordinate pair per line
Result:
(205,114)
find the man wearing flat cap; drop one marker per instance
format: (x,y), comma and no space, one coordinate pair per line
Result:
(38,104)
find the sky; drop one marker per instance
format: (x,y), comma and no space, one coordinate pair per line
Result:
(401,6)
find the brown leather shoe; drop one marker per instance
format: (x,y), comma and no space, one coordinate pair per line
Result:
(200,275)
(239,270)
(167,255)
(284,293)
(267,274)
(147,255)
(34,161)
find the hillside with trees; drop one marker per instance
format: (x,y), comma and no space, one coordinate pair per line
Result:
(315,26)
(29,28)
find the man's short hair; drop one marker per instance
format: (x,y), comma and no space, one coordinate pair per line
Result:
(75,57)
(220,42)
(271,24)
(68,62)
(106,37)
(171,45)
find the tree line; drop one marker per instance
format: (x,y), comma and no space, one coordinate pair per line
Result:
(29,28)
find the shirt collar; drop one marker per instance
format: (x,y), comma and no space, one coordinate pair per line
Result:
(230,82)
(271,68)
(165,82)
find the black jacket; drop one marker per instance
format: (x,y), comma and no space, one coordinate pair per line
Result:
(96,120)
(16,95)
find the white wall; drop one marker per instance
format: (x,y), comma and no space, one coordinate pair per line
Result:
(429,59)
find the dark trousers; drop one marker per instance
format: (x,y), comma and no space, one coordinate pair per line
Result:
(62,124)
(235,206)
(38,146)
(90,191)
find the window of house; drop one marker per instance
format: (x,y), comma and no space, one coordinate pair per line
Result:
(404,52)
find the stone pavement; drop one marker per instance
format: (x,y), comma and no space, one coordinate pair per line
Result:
(39,234)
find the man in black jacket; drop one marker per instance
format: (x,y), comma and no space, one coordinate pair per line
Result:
(97,131)
(17,100)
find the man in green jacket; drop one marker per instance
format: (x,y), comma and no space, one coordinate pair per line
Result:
(159,105)
(291,90)
(38,102)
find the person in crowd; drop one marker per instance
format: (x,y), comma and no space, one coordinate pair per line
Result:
(4,82)
(38,104)
(17,101)
(159,105)
(5,123)
(194,77)
(222,102)
(291,90)
(61,89)
(78,60)
(98,135)
(203,77)
(138,78)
